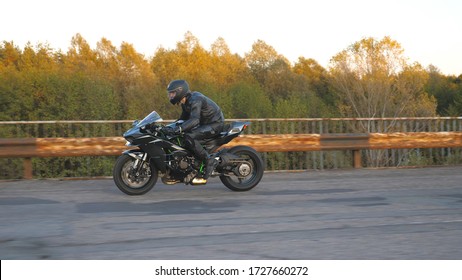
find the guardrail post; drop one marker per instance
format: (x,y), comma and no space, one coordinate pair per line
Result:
(357,159)
(27,164)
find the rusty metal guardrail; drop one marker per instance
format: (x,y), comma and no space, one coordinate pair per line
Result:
(28,148)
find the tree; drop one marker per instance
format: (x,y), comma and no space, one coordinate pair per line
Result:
(107,62)
(260,59)
(227,69)
(445,89)
(373,79)
(9,54)
(137,84)
(272,71)
(249,101)
(455,109)
(316,77)
(80,56)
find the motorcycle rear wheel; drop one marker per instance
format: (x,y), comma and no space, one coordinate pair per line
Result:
(131,182)
(250,173)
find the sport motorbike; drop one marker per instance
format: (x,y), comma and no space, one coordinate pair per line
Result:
(155,151)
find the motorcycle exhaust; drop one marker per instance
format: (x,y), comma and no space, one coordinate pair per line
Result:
(198,181)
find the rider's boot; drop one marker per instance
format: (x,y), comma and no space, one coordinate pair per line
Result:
(211,164)
(210,161)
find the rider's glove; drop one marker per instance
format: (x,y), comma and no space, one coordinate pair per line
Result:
(171,130)
(146,127)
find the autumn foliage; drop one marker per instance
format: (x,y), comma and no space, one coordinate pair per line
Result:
(371,78)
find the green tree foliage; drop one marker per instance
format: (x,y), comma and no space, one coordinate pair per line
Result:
(270,69)
(249,101)
(456,108)
(316,77)
(260,59)
(368,79)
(447,90)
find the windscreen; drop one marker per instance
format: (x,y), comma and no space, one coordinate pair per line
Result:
(152,117)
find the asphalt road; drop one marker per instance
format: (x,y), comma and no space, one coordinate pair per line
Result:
(335,214)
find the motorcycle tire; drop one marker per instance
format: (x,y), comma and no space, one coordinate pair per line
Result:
(133,185)
(254,168)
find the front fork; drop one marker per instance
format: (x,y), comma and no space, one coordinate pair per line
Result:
(140,158)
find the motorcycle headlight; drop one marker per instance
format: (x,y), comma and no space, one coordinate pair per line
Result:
(129,140)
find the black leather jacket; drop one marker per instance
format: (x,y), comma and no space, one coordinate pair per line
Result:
(199,110)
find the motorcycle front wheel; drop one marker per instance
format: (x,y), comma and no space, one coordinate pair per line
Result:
(247,173)
(132,179)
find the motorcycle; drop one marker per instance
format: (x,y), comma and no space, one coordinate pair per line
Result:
(156,153)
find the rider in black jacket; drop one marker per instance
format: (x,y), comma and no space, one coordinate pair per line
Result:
(202,117)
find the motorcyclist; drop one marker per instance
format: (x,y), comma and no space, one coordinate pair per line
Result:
(202,118)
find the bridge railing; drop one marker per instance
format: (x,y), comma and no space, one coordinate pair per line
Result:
(109,128)
(285,132)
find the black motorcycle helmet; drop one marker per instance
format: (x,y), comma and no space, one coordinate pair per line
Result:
(177,89)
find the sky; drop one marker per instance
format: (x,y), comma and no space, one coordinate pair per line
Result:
(429,31)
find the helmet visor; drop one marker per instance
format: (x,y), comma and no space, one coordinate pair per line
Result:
(171,95)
